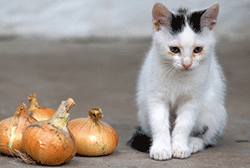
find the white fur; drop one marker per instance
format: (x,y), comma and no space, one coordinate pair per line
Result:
(196,95)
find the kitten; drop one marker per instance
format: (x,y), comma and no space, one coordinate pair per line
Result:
(181,86)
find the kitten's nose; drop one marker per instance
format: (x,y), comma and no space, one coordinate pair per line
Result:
(186,65)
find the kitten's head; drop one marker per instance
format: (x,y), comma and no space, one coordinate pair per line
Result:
(184,38)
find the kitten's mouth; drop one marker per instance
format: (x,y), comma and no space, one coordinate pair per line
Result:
(186,69)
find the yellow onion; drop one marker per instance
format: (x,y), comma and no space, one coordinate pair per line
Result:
(39,113)
(11,130)
(93,137)
(49,142)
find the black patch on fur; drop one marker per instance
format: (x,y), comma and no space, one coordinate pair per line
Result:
(140,141)
(200,133)
(209,146)
(177,22)
(194,20)
(182,11)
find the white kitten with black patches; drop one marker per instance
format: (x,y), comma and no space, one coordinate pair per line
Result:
(181,76)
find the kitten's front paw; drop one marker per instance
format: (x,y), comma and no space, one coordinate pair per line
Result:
(180,151)
(160,151)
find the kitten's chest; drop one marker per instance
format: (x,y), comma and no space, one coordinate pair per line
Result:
(181,89)
(173,93)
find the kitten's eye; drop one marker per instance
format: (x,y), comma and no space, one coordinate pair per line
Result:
(198,49)
(175,50)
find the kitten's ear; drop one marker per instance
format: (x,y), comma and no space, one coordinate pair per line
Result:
(209,18)
(161,16)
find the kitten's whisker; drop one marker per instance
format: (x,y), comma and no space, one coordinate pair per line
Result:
(172,72)
(168,72)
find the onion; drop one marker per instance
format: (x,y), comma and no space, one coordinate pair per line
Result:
(49,142)
(11,130)
(93,137)
(38,112)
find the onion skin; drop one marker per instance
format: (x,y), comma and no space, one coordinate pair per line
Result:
(42,114)
(48,145)
(39,113)
(5,127)
(11,130)
(93,137)
(49,142)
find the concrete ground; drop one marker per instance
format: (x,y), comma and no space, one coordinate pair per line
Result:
(103,73)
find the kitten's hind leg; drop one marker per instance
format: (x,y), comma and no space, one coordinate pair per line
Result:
(214,119)
(196,144)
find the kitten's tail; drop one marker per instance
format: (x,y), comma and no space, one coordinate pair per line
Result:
(140,141)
